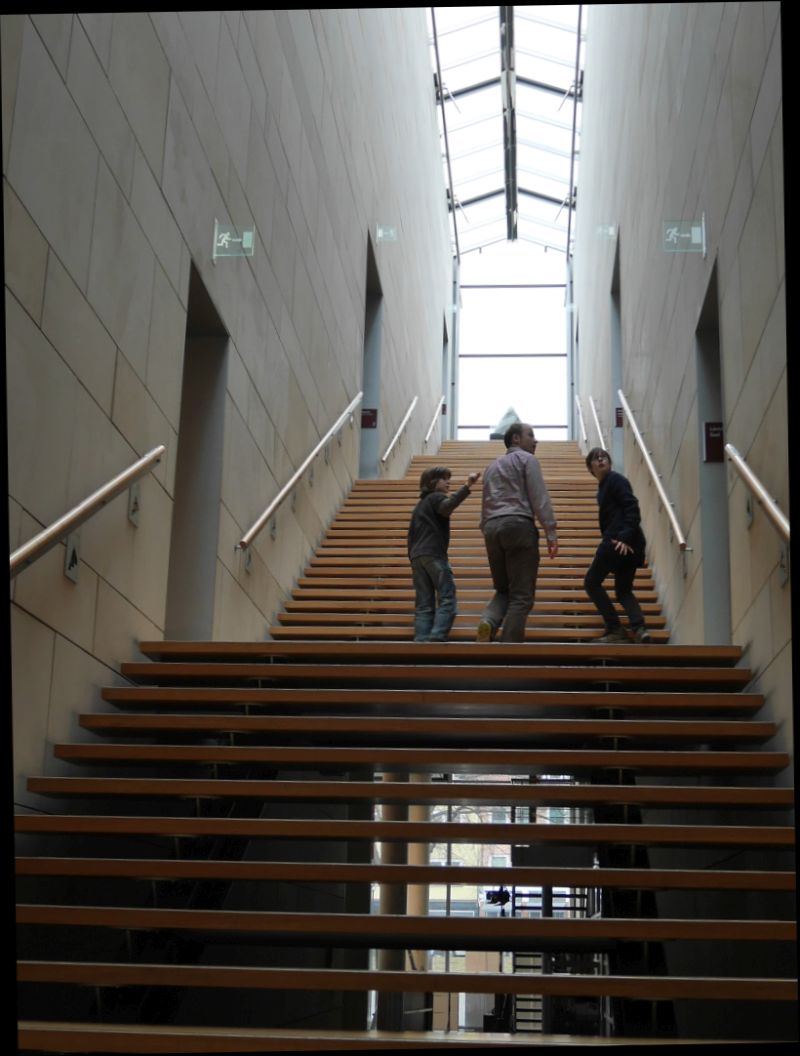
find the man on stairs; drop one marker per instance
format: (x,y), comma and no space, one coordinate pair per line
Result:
(514,497)
(621,550)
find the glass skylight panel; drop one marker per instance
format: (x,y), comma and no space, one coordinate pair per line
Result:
(552,107)
(545,45)
(482,160)
(544,137)
(469,108)
(481,185)
(480,212)
(543,159)
(477,241)
(535,182)
(474,69)
(539,210)
(474,229)
(451,20)
(469,52)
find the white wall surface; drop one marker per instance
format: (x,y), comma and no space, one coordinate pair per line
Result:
(683,120)
(124,137)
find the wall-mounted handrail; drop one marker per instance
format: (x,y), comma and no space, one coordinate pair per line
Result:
(439,406)
(48,538)
(584,437)
(597,424)
(762,496)
(681,538)
(399,432)
(287,489)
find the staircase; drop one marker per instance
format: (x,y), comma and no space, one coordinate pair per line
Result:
(204,881)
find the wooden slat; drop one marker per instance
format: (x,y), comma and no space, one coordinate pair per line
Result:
(332,872)
(410,832)
(404,617)
(495,652)
(469,596)
(480,675)
(403,613)
(638,987)
(460,701)
(138,1038)
(435,793)
(475,586)
(372,634)
(435,760)
(408,931)
(486,730)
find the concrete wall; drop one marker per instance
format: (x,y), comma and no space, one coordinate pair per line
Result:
(124,137)
(682,119)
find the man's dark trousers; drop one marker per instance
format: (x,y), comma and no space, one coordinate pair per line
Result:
(512,546)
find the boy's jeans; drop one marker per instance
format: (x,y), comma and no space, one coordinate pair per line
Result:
(433,578)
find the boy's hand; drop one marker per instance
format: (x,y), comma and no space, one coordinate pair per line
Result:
(472,478)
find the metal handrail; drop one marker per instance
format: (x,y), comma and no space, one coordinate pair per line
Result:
(654,474)
(49,537)
(584,437)
(439,406)
(597,423)
(403,424)
(286,490)
(762,496)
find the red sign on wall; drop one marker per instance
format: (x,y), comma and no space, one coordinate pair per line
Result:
(713,442)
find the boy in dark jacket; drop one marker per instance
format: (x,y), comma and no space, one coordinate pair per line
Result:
(428,540)
(621,551)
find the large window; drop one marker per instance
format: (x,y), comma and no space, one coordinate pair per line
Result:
(513,340)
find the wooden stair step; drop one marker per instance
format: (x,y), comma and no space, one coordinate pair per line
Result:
(139,1038)
(549,793)
(462,559)
(357,608)
(336,577)
(434,760)
(483,729)
(495,652)
(332,872)
(316,588)
(406,832)
(495,702)
(639,987)
(473,675)
(403,616)
(321,632)
(409,931)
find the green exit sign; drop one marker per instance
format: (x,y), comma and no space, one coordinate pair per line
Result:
(230,242)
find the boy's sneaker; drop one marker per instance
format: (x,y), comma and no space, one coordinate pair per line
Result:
(615,635)
(485,631)
(643,635)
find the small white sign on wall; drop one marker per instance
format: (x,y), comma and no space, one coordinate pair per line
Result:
(685,236)
(228,242)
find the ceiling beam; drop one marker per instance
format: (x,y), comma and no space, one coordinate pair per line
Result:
(509,91)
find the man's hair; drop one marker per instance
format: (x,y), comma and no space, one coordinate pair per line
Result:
(515,429)
(594,453)
(429,477)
